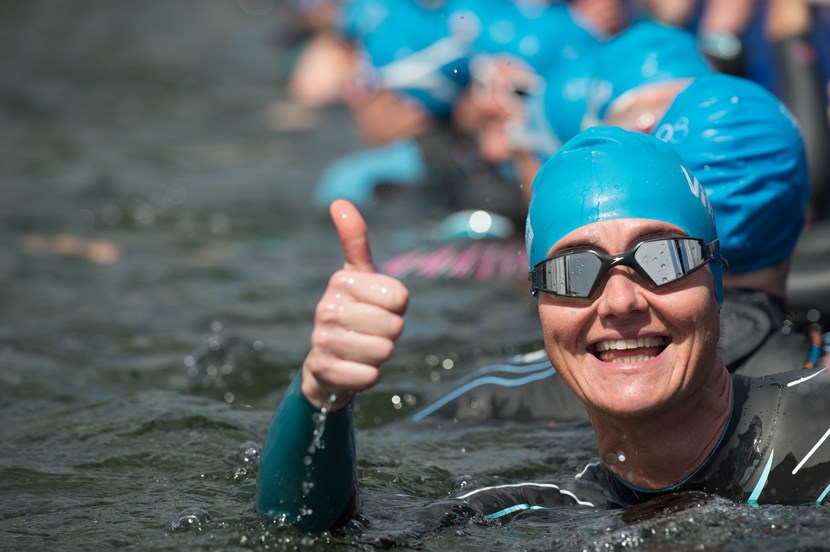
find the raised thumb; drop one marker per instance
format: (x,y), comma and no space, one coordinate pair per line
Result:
(354,236)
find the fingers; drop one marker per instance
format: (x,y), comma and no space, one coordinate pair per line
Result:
(339,344)
(354,237)
(330,374)
(350,341)
(361,318)
(374,289)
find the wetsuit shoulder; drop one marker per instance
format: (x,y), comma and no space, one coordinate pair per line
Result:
(754,339)
(775,449)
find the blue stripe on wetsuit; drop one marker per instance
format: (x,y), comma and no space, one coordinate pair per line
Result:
(515,508)
(762,481)
(489,380)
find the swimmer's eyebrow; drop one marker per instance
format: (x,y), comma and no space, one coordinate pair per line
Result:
(648,235)
(657,234)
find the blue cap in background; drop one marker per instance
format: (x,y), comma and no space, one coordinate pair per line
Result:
(746,149)
(646,53)
(409,48)
(539,33)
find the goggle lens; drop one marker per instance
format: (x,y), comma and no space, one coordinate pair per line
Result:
(665,261)
(661,261)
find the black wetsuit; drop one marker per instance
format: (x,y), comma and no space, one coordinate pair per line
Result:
(773,450)
(753,343)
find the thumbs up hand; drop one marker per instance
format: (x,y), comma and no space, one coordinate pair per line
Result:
(356,321)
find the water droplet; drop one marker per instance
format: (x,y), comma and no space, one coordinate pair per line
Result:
(214,343)
(320,425)
(249,451)
(191,518)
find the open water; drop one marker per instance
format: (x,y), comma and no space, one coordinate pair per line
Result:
(160,261)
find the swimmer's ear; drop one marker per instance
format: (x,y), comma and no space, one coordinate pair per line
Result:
(354,236)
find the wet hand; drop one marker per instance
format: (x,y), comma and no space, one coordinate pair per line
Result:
(356,321)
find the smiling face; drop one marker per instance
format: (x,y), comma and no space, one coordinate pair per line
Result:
(632,350)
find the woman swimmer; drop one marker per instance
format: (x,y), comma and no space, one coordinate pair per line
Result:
(625,261)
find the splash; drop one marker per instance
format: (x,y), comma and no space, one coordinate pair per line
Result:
(320,425)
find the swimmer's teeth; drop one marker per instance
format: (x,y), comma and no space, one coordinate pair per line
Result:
(638,358)
(623,344)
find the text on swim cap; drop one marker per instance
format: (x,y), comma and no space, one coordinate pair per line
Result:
(697,191)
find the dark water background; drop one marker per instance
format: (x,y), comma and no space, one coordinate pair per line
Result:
(134,395)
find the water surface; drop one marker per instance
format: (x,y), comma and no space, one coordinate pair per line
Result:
(159,265)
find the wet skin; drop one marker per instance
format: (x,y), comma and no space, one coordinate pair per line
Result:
(676,325)
(643,360)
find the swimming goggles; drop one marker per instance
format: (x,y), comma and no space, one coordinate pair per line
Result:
(578,273)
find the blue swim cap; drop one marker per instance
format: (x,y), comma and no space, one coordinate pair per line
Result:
(566,95)
(746,149)
(409,48)
(646,53)
(538,32)
(607,173)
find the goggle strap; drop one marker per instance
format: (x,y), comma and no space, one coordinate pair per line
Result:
(711,252)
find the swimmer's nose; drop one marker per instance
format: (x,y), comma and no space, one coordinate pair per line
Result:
(621,294)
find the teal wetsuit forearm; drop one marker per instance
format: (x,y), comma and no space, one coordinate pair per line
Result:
(312,497)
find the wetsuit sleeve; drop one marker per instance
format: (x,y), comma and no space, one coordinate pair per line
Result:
(313,488)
